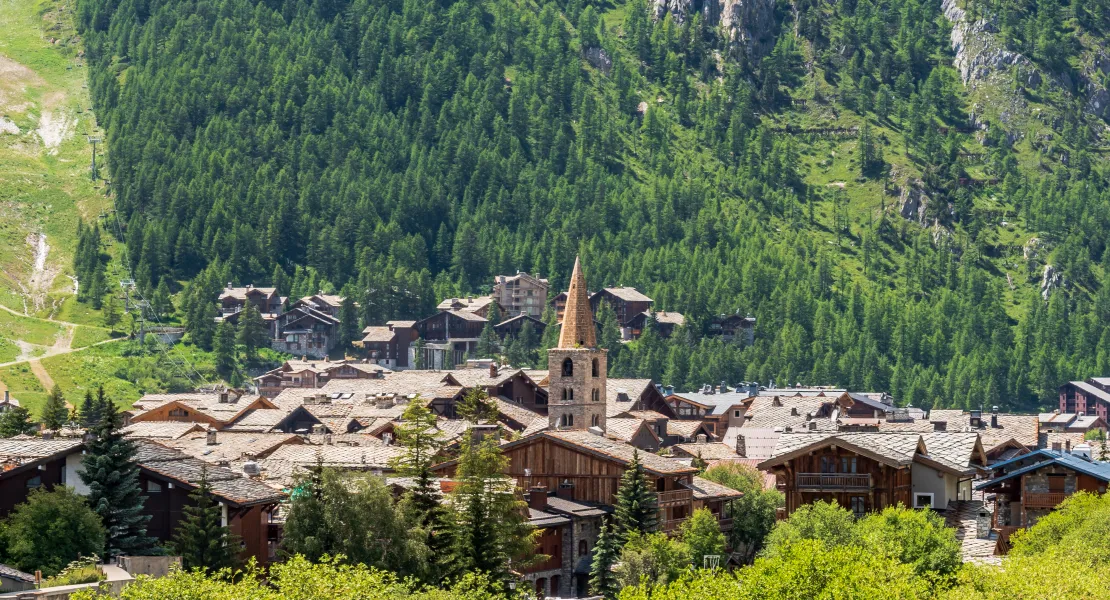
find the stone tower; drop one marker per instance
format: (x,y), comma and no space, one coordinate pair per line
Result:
(576,367)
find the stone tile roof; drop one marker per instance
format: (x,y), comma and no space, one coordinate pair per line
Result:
(710,451)
(959,450)
(619,451)
(428,384)
(13,451)
(705,489)
(663,316)
(628,294)
(231,446)
(240,293)
(369,456)
(15,574)
(538,375)
(758,443)
(226,484)
(624,429)
(893,448)
(149,401)
(515,411)
(1048,439)
(537,425)
(685,429)
(468,304)
(574,507)
(165,430)
(470,378)
(647,415)
(622,395)
(258,420)
(541,519)
(1092,390)
(466,315)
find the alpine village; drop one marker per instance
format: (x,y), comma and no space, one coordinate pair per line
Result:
(530,299)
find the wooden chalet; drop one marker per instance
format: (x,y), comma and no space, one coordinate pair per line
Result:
(215,410)
(627,302)
(665,323)
(307,329)
(867,472)
(311,374)
(449,337)
(233,300)
(1090,397)
(510,328)
(390,345)
(29,464)
(733,328)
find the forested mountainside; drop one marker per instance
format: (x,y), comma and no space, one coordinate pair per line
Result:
(903,205)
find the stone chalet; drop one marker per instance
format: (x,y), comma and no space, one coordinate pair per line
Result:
(1025,488)
(266,300)
(309,328)
(733,328)
(568,532)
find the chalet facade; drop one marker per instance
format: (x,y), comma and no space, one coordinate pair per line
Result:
(1089,398)
(510,328)
(29,464)
(449,336)
(568,534)
(310,327)
(1028,487)
(390,345)
(521,294)
(665,323)
(309,374)
(214,410)
(733,328)
(866,472)
(233,300)
(626,302)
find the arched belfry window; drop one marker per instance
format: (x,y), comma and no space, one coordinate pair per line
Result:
(568,367)
(595,395)
(595,421)
(595,368)
(568,420)
(568,394)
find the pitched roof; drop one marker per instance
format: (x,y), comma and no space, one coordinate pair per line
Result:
(381,334)
(578,320)
(1092,390)
(231,446)
(959,450)
(227,484)
(628,294)
(165,430)
(25,451)
(15,574)
(368,456)
(617,451)
(709,451)
(705,489)
(623,394)
(467,315)
(515,411)
(1098,470)
(240,293)
(258,419)
(686,429)
(626,429)
(671,318)
(894,449)
(466,304)
(758,443)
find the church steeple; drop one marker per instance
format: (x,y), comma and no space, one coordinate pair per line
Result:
(578,320)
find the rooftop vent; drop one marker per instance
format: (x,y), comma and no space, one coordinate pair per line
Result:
(251,469)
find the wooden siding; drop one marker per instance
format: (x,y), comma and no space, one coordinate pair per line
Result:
(888,485)
(594,479)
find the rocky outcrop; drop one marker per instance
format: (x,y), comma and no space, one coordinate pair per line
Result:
(748,23)
(1051,280)
(978,54)
(599,58)
(913,203)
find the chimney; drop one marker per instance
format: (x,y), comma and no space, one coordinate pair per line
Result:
(994,419)
(812,425)
(1067,446)
(566,490)
(537,497)
(701,439)
(47,435)
(793,411)
(210,437)
(753,388)
(224,398)
(724,386)
(741,446)
(493,370)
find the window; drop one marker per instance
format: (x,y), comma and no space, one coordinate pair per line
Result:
(153,487)
(568,367)
(1056,483)
(568,420)
(828,464)
(848,464)
(568,394)
(595,421)
(595,395)
(923,500)
(179,412)
(34,482)
(583,548)
(595,368)
(736,414)
(859,506)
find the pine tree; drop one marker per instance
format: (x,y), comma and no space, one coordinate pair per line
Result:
(603,582)
(54,412)
(112,475)
(16,421)
(422,442)
(201,540)
(252,333)
(637,506)
(90,411)
(487,343)
(111,311)
(418,354)
(348,320)
(224,348)
(162,303)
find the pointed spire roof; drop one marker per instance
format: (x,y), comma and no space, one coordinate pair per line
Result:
(578,319)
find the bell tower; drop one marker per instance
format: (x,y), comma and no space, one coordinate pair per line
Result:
(576,367)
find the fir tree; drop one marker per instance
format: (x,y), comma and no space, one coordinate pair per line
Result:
(224,348)
(603,582)
(422,442)
(162,303)
(16,421)
(418,354)
(55,412)
(111,311)
(487,343)
(112,475)
(252,333)
(348,320)
(637,507)
(90,411)
(201,540)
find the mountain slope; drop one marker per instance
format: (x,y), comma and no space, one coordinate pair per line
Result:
(736,156)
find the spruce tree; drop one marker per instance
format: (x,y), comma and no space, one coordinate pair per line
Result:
(54,412)
(201,540)
(348,320)
(16,421)
(487,343)
(418,354)
(90,411)
(252,333)
(422,443)
(112,475)
(637,507)
(224,348)
(603,582)
(111,311)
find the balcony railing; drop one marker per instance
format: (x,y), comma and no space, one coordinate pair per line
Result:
(833,481)
(726,525)
(1043,499)
(674,497)
(671,525)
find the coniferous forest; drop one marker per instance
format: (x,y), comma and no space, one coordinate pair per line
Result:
(400,152)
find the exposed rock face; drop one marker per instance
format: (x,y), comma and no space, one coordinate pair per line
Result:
(978,54)
(599,58)
(749,23)
(1051,280)
(913,203)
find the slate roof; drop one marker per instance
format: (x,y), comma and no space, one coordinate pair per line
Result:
(623,394)
(468,304)
(226,484)
(541,519)
(705,489)
(163,430)
(625,429)
(466,315)
(369,457)
(718,403)
(23,451)
(15,574)
(470,378)
(1092,390)
(378,335)
(575,508)
(515,411)
(896,449)
(231,446)
(258,420)
(240,293)
(1098,470)
(758,443)
(961,451)
(684,429)
(672,317)
(711,451)
(1048,439)
(628,294)
(618,451)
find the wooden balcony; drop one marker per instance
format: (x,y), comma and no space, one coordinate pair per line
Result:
(670,525)
(823,482)
(726,525)
(674,498)
(1043,499)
